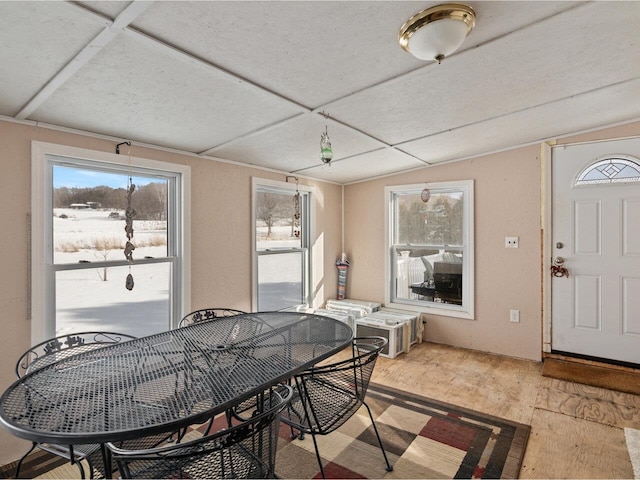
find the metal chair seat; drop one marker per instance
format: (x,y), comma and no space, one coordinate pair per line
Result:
(325,397)
(245,450)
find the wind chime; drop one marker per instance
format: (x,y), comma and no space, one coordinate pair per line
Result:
(296,209)
(128,228)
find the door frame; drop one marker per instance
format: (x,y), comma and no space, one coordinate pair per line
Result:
(546,209)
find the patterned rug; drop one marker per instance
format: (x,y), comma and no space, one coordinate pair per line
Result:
(423,439)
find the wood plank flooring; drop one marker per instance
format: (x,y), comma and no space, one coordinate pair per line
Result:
(577,431)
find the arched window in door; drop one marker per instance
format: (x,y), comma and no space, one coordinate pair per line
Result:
(610,169)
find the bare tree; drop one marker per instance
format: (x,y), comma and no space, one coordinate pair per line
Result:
(103,247)
(266,209)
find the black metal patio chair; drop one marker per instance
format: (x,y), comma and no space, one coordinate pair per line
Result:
(53,350)
(244,450)
(325,397)
(206,314)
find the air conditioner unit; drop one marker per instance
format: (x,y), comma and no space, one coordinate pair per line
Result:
(359,308)
(344,317)
(391,330)
(405,316)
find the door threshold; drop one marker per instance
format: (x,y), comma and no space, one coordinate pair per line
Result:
(595,361)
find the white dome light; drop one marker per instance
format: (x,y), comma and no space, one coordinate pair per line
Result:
(437,32)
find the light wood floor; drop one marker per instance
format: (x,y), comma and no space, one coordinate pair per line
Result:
(577,431)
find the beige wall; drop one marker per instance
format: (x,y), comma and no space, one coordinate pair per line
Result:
(220,237)
(507,203)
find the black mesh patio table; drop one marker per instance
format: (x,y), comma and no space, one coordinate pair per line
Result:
(166,381)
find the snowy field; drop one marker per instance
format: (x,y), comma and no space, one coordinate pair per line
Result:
(86,300)
(82,295)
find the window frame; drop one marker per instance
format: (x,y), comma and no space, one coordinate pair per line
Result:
(307,230)
(467,309)
(42,269)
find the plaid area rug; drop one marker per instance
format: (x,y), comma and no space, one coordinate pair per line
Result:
(423,439)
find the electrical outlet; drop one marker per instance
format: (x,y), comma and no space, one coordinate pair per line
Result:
(511,242)
(514,316)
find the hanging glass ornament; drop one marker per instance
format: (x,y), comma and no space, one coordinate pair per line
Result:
(326,154)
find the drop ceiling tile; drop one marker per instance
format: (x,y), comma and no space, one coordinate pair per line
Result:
(295,144)
(37,39)
(575,114)
(367,165)
(311,52)
(107,8)
(536,65)
(138,90)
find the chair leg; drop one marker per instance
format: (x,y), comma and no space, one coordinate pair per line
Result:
(33,445)
(81,468)
(300,436)
(375,429)
(315,445)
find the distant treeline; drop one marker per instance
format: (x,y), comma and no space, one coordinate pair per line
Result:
(149,201)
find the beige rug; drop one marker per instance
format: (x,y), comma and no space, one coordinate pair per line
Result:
(633,445)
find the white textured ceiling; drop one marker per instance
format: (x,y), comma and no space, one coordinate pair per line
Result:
(250,81)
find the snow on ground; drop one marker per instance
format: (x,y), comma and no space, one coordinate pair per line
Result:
(82,295)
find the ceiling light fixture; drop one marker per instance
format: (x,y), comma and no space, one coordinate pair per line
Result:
(437,32)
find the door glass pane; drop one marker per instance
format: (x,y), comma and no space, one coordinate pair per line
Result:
(275,223)
(89,215)
(280,283)
(96,299)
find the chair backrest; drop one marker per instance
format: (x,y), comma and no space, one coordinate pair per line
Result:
(207,314)
(245,450)
(331,394)
(63,346)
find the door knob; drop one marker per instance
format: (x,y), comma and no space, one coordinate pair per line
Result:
(558,269)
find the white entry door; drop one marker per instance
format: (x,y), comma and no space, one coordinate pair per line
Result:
(596,231)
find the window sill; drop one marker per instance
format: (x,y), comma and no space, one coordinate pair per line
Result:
(445,310)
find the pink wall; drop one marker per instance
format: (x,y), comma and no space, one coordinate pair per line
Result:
(507,203)
(220,237)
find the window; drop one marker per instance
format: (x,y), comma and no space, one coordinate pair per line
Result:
(619,169)
(281,245)
(430,247)
(79,239)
